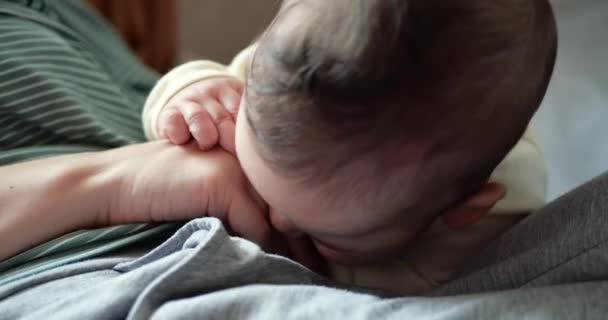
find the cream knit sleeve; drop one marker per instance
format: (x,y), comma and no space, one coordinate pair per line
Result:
(184,75)
(524,174)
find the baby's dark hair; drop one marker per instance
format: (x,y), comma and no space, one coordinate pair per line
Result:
(453,84)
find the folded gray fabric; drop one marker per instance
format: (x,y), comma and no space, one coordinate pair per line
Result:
(200,258)
(564,242)
(203,273)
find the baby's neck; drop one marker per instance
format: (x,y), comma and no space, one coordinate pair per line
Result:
(440,252)
(433,259)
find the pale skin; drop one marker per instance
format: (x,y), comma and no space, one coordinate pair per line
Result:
(43,199)
(294,210)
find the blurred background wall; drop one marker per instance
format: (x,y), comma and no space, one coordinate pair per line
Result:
(218,29)
(573,120)
(148,26)
(166,32)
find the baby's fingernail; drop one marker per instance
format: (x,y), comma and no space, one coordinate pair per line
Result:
(233,108)
(195,127)
(163,131)
(168,128)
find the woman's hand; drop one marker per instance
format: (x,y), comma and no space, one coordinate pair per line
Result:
(182,182)
(163,182)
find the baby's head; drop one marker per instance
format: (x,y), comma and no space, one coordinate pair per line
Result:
(363,121)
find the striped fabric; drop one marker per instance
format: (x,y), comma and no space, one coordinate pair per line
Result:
(65,81)
(67,85)
(77,246)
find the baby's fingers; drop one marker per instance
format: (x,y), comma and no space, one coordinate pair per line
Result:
(200,125)
(172,126)
(231,99)
(224,123)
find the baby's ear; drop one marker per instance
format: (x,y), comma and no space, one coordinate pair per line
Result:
(475,208)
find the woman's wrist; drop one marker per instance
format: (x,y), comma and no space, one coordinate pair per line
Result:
(46,198)
(93,179)
(117,181)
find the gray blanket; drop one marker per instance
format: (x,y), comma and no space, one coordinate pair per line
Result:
(203,273)
(553,265)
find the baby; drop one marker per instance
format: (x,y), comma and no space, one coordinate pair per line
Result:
(384,130)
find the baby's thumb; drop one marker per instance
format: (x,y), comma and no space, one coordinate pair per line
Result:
(227,140)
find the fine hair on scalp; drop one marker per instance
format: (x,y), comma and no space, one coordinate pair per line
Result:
(338,84)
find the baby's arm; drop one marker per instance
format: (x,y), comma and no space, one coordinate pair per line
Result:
(198,100)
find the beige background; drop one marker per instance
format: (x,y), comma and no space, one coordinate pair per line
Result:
(218,29)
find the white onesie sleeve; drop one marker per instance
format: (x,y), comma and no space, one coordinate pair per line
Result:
(524,175)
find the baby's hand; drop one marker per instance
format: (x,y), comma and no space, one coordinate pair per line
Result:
(204,111)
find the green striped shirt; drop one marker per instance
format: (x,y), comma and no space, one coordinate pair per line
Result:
(68,84)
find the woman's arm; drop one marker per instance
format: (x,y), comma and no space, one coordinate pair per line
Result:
(46,198)
(150,182)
